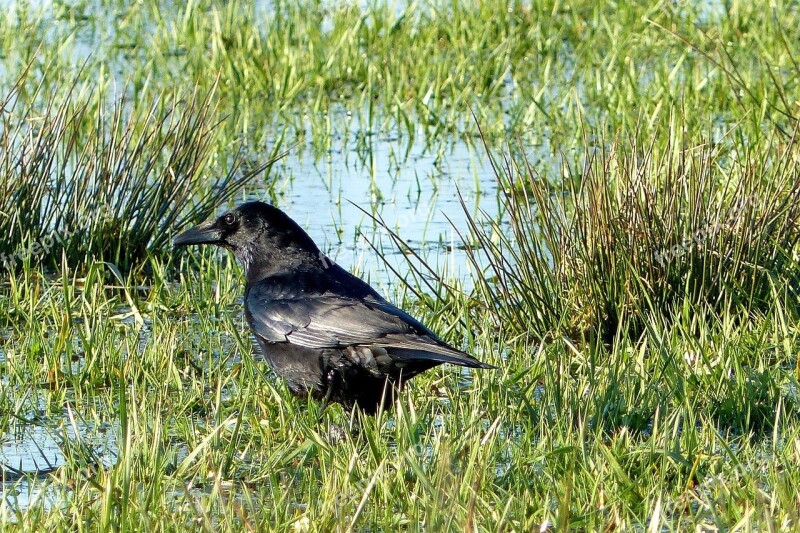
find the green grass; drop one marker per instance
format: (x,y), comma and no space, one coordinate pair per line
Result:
(94,179)
(636,235)
(697,419)
(638,290)
(546,72)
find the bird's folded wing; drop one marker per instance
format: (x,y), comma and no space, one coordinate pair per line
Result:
(328,321)
(325,321)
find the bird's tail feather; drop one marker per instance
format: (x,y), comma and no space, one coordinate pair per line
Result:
(452,357)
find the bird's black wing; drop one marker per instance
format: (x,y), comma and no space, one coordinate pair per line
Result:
(321,319)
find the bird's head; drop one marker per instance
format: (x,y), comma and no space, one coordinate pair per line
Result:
(262,237)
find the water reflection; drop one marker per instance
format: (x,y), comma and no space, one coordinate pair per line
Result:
(34,450)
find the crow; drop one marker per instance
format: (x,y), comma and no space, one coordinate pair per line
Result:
(326,332)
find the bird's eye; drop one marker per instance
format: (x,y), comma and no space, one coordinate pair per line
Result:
(229,219)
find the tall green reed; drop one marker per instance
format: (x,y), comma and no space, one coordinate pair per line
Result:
(108,179)
(640,232)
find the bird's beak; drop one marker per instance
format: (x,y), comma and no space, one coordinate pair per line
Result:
(205,233)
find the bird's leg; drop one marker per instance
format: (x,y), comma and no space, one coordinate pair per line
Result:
(330,379)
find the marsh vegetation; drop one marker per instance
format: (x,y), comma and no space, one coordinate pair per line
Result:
(622,183)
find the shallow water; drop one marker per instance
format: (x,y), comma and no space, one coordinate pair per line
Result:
(32,451)
(413,188)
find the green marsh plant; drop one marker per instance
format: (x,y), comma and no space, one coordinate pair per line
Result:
(638,233)
(108,179)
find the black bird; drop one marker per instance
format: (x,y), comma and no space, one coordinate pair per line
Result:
(323,330)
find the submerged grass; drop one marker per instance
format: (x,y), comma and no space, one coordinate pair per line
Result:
(639,296)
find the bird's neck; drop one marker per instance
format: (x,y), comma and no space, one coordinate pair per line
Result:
(262,263)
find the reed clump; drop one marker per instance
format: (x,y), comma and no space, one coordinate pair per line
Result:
(107,179)
(638,234)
